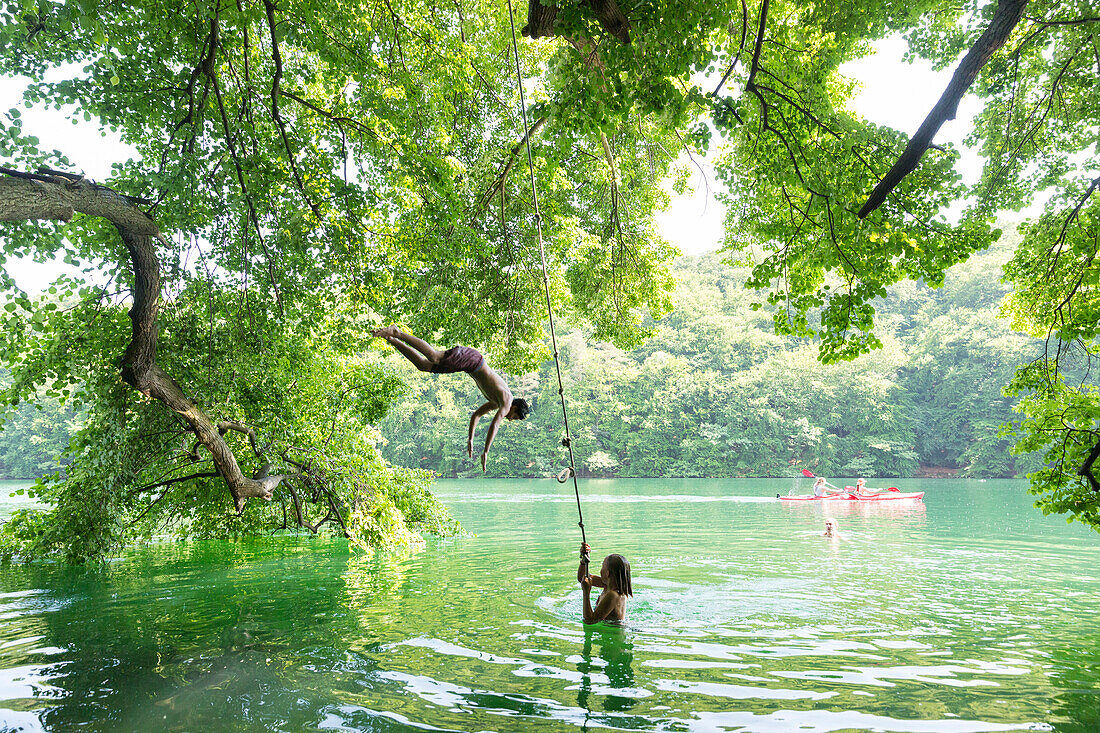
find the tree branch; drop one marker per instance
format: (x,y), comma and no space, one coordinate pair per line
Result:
(27,198)
(176,480)
(540,20)
(277,58)
(1006,17)
(1086,468)
(506,168)
(755,65)
(741,48)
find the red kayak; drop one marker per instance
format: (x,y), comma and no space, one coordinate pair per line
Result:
(884,496)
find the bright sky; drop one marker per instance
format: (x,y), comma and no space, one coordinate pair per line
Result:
(893,93)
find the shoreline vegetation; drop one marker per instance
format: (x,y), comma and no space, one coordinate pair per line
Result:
(715,393)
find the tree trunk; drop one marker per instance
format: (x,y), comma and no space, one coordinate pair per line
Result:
(611,19)
(540,19)
(56,197)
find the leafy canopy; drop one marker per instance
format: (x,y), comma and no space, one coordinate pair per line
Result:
(363,161)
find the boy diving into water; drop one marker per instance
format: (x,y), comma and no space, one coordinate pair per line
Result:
(427,358)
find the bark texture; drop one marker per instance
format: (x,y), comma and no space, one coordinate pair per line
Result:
(56,197)
(541,18)
(611,19)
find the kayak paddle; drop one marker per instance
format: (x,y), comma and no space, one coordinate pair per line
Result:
(810,474)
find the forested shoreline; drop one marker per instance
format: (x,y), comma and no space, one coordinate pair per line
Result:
(716,393)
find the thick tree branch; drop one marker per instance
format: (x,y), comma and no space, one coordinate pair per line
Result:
(1006,17)
(541,18)
(755,65)
(1086,467)
(611,19)
(226,425)
(57,198)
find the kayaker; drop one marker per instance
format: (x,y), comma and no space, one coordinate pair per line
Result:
(862,490)
(821,488)
(427,358)
(614,578)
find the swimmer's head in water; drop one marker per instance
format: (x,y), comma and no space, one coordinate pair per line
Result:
(615,573)
(830,526)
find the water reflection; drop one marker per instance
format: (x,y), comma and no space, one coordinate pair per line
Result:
(744,621)
(614,661)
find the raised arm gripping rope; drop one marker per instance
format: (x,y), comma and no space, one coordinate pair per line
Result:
(567,441)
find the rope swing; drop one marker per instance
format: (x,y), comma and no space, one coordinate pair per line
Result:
(567,441)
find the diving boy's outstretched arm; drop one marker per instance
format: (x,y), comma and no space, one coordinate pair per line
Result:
(493,427)
(474,417)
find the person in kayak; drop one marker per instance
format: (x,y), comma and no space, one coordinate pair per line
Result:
(614,578)
(821,488)
(427,358)
(862,490)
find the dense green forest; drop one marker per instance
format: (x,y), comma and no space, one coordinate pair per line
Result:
(33,438)
(716,393)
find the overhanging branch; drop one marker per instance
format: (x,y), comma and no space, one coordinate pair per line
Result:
(1006,17)
(1086,467)
(56,197)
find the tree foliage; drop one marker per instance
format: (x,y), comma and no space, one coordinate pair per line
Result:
(305,161)
(715,393)
(34,436)
(298,160)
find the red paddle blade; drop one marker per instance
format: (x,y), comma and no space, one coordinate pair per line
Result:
(894,488)
(808,473)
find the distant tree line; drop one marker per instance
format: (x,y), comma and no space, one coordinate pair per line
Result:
(32,438)
(716,393)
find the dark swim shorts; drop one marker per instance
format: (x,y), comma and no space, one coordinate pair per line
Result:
(459,359)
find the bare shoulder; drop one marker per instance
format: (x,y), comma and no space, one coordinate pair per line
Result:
(492,385)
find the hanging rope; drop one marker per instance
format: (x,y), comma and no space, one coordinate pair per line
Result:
(567,441)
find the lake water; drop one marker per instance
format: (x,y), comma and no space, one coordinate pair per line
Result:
(970,612)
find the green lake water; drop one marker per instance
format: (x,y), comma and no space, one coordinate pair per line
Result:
(970,612)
